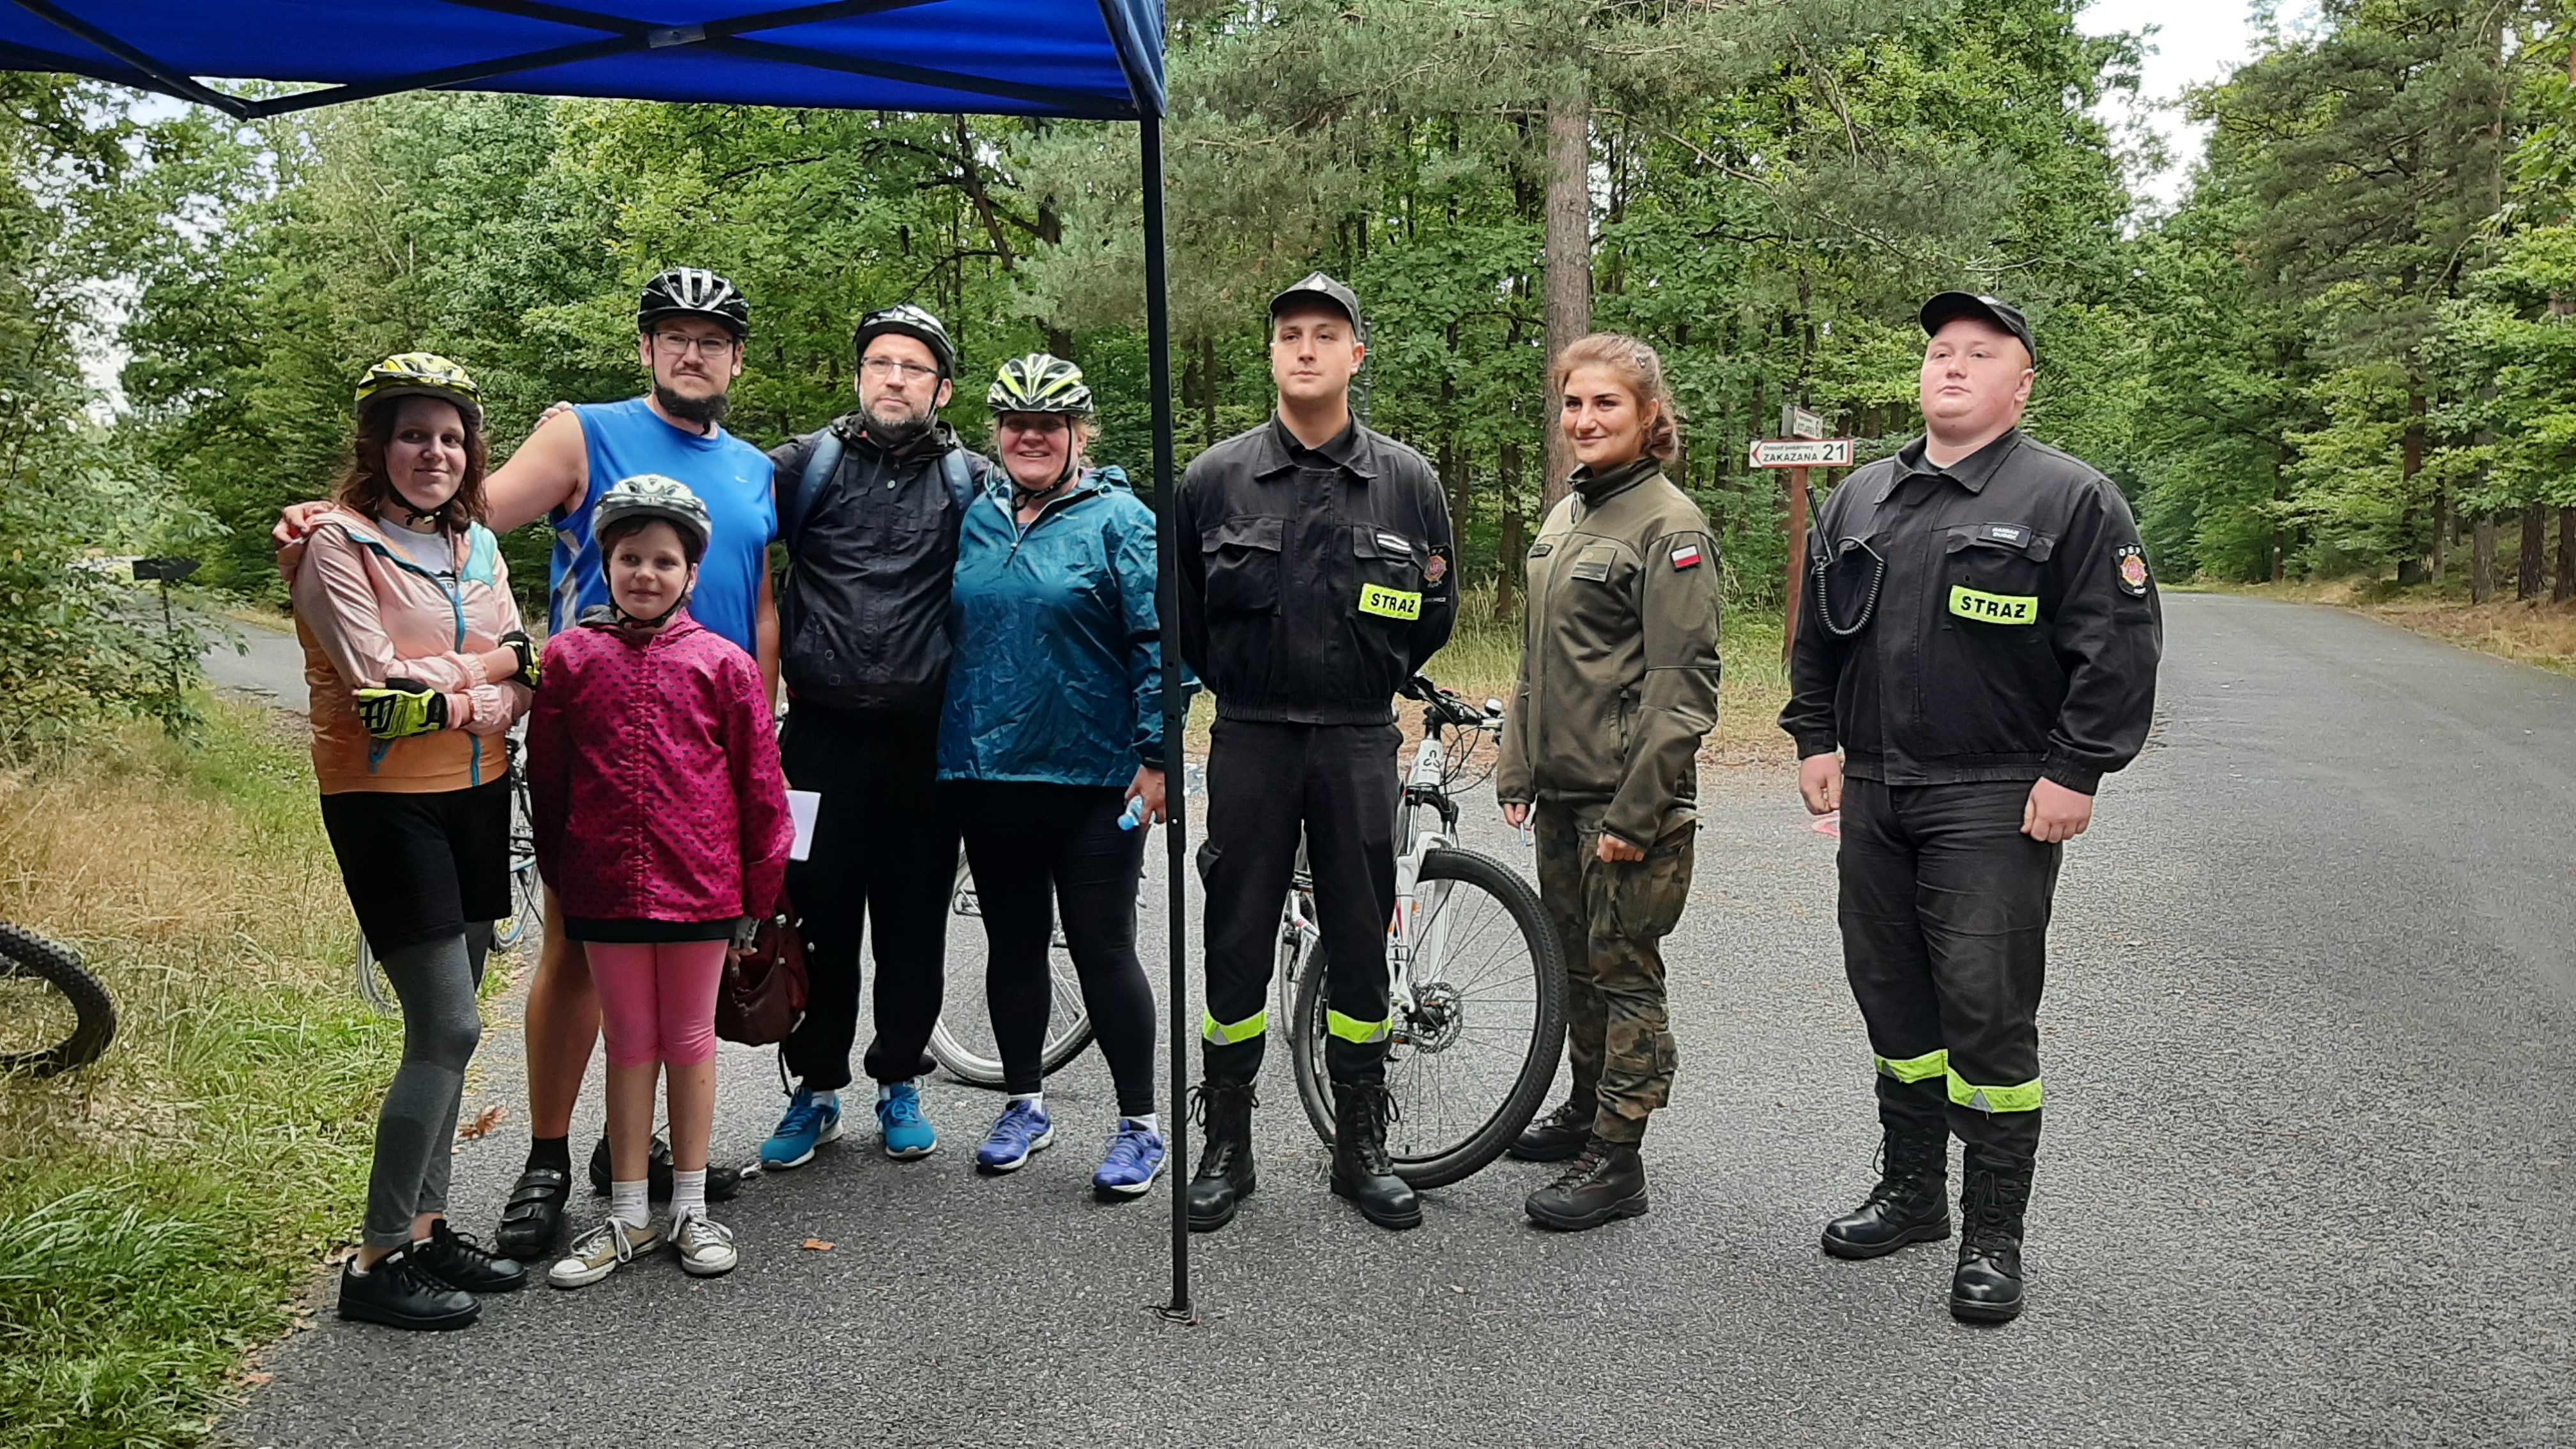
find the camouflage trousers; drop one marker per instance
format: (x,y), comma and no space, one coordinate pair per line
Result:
(1611,918)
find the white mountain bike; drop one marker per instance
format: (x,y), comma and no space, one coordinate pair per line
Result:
(1475,977)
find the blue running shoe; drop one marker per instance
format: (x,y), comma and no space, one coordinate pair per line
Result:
(907,1132)
(1022,1128)
(809,1124)
(1135,1159)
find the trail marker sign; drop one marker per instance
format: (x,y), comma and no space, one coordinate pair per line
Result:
(1797,422)
(1802,452)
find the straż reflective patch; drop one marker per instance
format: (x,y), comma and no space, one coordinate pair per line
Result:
(1987,608)
(1389,603)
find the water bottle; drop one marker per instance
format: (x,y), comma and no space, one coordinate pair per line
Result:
(1135,815)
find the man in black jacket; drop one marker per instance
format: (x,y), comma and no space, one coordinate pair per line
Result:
(1313,581)
(869,508)
(1980,640)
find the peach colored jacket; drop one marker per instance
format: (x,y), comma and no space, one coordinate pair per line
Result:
(364,613)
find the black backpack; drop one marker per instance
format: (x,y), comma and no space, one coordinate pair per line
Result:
(958,469)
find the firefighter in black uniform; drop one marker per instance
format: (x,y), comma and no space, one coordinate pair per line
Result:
(1979,638)
(1313,581)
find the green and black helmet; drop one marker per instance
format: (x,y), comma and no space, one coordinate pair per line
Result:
(422,374)
(1039,383)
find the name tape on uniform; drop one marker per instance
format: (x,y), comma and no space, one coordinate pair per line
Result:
(1389,603)
(1986,608)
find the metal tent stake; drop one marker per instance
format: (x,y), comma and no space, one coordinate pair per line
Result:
(1176,769)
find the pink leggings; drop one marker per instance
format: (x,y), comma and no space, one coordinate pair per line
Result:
(658,1002)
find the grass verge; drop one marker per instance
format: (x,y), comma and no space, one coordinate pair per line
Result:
(160,1212)
(2535,632)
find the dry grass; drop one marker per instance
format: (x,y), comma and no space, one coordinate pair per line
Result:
(2538,633)
(161,1210)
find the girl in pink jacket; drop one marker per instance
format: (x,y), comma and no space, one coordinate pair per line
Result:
(661,823)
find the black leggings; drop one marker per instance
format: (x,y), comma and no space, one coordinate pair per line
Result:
(1020,838)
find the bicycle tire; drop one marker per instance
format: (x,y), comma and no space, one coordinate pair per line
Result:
(1455,1161)
(24,953)
(979,1068)
(528,896)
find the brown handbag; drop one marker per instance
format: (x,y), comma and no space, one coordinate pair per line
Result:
(763,994)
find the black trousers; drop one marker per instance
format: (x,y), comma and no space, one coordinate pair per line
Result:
(884,844)
(1266,785)
(1038,850)
(1944,911)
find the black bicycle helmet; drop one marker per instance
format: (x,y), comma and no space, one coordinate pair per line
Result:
(911,322)
(693,292)
(1039,383)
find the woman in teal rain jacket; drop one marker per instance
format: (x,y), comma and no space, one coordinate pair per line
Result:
(1052,737)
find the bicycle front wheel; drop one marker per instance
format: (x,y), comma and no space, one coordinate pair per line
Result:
(54,1015)
(963,1041)
(1470,1059)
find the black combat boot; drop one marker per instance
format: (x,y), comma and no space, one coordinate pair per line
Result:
(1557,1136)
(1910,1203)
(1987,1287)
(1607,1180)
(1362,1171)
(1225,1176)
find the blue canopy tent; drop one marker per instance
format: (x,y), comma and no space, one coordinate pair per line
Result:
(1092,59)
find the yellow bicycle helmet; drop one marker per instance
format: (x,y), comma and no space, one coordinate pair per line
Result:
(423,374)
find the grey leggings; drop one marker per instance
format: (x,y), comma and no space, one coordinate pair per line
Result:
(416,1130)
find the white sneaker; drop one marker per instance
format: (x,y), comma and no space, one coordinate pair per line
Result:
(596,1254)
(705,1246)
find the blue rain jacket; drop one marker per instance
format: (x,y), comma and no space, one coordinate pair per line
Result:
(1057,678)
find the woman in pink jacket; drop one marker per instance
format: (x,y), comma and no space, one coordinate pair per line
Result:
(417,664)
(662,825)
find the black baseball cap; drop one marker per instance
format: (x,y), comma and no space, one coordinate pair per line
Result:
(1316,286)
(1949,307)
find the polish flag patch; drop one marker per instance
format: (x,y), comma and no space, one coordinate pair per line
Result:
(1686,556)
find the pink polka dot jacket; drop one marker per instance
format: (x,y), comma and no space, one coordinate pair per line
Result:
(653,771)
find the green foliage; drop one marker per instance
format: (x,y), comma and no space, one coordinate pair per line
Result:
(76,642)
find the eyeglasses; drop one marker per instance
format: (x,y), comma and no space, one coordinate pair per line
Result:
(883,368)
(681,345)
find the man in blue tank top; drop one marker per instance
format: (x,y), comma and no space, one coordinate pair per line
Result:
(690,324)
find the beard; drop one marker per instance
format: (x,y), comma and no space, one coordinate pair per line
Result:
(900,433)
(704,411)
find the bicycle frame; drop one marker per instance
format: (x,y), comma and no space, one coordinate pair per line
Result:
(1418,931)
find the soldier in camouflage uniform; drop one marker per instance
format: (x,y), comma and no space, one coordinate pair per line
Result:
(1618,685)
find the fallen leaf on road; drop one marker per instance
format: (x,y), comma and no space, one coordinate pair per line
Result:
(817,1245)
(339,1255)
(257,1378)
(484,1121)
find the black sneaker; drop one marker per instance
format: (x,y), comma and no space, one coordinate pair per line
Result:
(461,1263)
(723,1183)
(397,1294)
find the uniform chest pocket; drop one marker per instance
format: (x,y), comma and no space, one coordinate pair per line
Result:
(1241,556)
(1994,572)
(1389,583)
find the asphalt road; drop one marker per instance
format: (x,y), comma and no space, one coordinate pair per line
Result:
(2307,1178)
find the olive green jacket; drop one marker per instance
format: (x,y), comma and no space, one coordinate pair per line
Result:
(1618,677)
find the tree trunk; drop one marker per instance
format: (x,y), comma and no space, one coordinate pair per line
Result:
(2410,566)
(2530,568)
(2441,532)
(1512,545)
(2279,541)
(1567,253)
(2563,588)
(2482,560)
(1207,392)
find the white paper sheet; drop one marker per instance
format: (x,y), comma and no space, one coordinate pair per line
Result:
(802,807)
